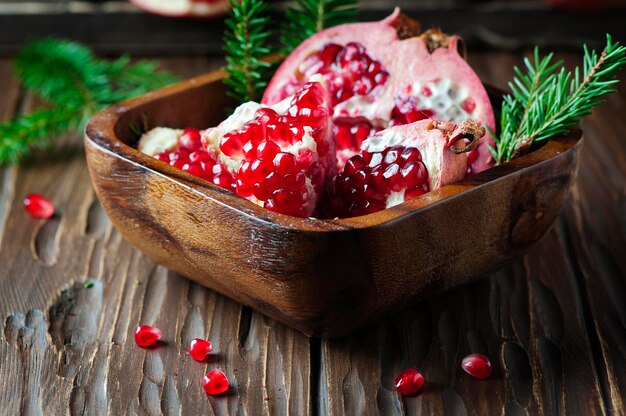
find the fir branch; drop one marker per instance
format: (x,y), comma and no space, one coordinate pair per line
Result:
(246,43)
(76,84)
(307,17)
(545,103)
(34,131)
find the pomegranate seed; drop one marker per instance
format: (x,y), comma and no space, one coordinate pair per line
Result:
(468,105)
(146,335)
(191,139)
(285,163)
(409,382)
(477,365)
(215,382)
(267,150)
(38,206)
(199,349)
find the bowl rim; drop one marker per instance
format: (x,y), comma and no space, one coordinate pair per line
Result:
(100,132)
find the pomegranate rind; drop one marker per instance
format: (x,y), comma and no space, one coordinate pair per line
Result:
(411,67)
(432,138)
(184,8)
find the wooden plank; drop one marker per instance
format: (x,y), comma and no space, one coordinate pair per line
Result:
(595,223)
(529,318)
(68,347)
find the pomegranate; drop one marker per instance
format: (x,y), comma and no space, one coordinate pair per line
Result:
(215,382)
(184,8)
(183,149)
(146,335)
(409,382)
(477,365)
(386,73)
(280,156)
(199,349)
(400,163)
(38,206)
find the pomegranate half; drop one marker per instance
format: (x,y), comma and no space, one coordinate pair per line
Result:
(184,8)
(387,73)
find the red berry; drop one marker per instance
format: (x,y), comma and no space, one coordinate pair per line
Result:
(215,382)
(410,381)
(477,365)
(146,335)
(38,206)
(199,349)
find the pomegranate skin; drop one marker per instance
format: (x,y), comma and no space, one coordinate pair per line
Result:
(197,9)
(425,77)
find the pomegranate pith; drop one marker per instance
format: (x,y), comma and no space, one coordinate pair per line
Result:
(38,206)
(146,335)
(390,74)
(477,365)
(199,349)
(215,382)
(409,382)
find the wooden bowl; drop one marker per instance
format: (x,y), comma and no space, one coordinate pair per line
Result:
(323,277)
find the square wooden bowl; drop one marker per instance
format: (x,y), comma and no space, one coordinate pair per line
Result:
(323,277)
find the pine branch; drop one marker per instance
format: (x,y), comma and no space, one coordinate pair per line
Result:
(76,84)
(246,43)
(34,131)
(307,17)
(545,103)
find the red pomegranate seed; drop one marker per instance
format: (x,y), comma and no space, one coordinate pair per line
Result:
(468,105)
(477,365)
(191,139)
(199,349)
(409,382)
(38,206)
(215,382)
(146,335)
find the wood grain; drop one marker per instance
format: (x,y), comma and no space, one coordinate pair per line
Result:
(552,322)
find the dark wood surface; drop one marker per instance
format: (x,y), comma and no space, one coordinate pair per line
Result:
(553,321)
(116,26)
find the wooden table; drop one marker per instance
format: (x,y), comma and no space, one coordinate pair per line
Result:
(553,323)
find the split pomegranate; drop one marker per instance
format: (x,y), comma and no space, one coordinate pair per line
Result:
(199,349)
(400,163)
(279,156)
(215,382)
(184,8)
(38,206)
(409,382)
(386,73)
(183,149)
(146,335)
(477,365)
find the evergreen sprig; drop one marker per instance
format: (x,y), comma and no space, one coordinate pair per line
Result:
(246,44)
(545,102)
(307,17)
(75,84)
